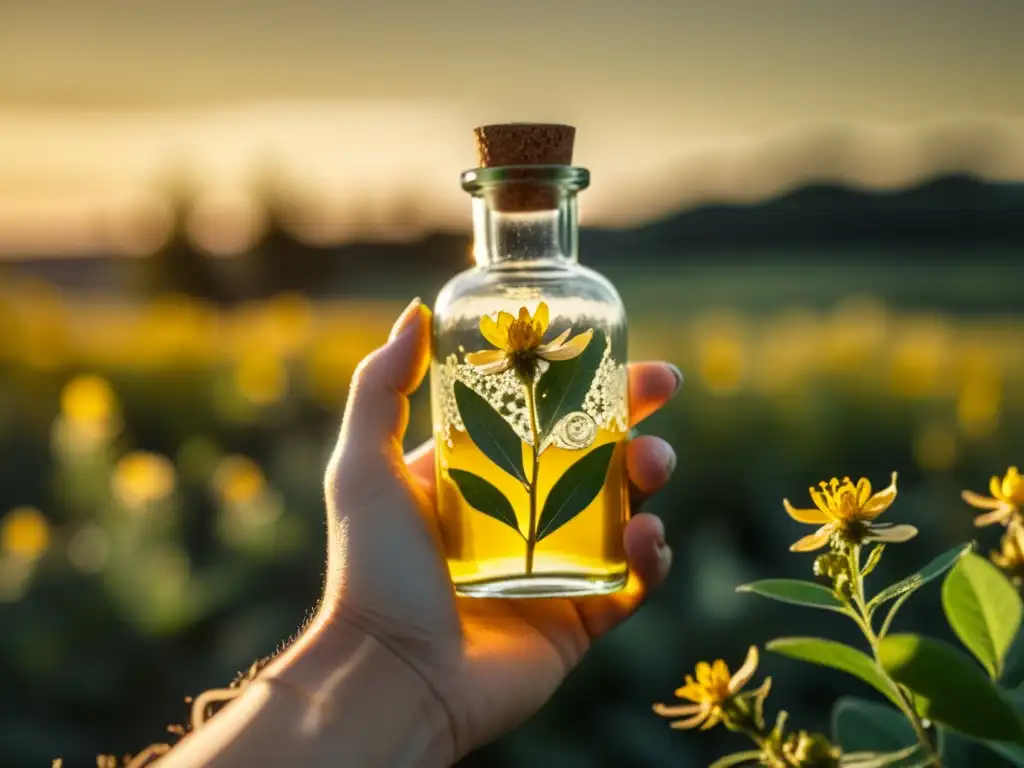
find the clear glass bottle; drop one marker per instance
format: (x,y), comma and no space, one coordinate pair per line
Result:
(530,350)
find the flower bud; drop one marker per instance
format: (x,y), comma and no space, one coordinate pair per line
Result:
(844,586)
(810,750)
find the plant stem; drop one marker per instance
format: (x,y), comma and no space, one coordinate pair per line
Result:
(863,620)
(531,538)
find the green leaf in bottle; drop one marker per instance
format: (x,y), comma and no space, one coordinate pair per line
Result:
(484,497)
(575,489)
(563,387)
(490,432)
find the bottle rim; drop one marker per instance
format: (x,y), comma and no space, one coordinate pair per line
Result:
(566,177)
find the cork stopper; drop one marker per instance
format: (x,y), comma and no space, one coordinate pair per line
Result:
(518,144)
(524,144)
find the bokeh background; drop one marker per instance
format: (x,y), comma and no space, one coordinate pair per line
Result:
(210,210)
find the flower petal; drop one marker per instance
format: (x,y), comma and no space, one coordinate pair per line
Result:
(995,487)
(1001,514)
(719,673)
(894,535)
(499,366)
(485,356)
(496,333)
(703,671)
(863,491)
(680,711)
(540,319)
(816,540)
(572,348)
(881,501)
(981,502)
(692,691)
(692,722)
(811,516)
(554,343)
(744,673)
(821,502)
(713,719)
(1011,483)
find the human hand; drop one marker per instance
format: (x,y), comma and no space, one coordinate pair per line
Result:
(487,663)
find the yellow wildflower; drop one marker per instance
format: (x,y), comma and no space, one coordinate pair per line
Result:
(142,478)
(24,533)
(712,689)
(518,342)
(849,511)
(1005,502)
(1011,556)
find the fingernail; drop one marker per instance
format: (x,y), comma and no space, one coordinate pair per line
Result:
(408,316)
(672,460)
(665,555)
(679,377)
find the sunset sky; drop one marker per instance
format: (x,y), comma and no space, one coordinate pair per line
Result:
(372,103)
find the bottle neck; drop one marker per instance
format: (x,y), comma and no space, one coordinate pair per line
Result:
(525,238)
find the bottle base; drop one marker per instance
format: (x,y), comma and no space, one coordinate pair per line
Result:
(543,585)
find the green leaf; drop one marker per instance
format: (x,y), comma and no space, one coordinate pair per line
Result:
(565,384)
(484,497)
(984,610)
(490,432)
(797,592)
(949,687)
(575,489)
(828,653)
(935,568)
(1012,753)
(908,757)
(964,750)
(864,726)
(736,759)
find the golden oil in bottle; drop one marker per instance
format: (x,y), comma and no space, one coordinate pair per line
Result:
(529,393)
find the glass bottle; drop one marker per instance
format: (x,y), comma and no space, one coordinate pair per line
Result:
(530,351)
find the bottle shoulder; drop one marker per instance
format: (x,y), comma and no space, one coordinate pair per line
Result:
(558,282)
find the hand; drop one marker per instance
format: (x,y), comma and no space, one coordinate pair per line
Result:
(490,663)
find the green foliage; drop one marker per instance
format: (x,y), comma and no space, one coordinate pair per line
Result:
(984,610)
(484,497)
(490,432)
(796,592)
(865,726)
(563,387)
(949,688)
(829,653)
(575,489)
(915,581)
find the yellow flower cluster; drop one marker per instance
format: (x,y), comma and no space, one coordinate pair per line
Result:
(848,511)
(709,690)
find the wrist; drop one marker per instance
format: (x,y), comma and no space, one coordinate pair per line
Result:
(359,702)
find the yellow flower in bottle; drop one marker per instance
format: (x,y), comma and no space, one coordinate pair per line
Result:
(518,342)
(849,512)
(709,693)
(1004,505)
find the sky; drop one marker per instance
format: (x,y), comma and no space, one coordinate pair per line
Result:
(369,106)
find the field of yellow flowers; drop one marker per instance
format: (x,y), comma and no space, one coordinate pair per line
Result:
(161,523)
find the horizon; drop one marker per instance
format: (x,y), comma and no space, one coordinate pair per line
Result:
(363,112)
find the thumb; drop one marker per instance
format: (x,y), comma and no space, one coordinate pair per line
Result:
(377,410)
